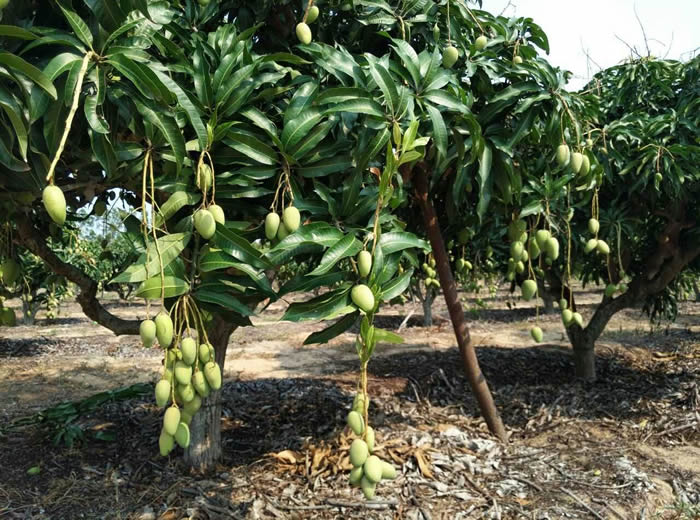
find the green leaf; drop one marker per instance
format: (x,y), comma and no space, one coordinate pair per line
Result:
(485,181)
(335,330)
(295,130)
(187,105)
(357,106)
(170,247)
(385,82)
(339,163)
(80,28)
(12,31)
(17,64)
(218,260)
(251,147)
(175,203)
(386,336)
(239,248)
(440,97)
(410,59)
(168,126)
(151,288)
(14,114)
(323,307)
(223,299)
(399,240)
(341,94)
(439,130)
(343,248)
(397,286)
(143,78)
(302,283)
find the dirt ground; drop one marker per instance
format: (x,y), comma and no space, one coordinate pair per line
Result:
(626,447)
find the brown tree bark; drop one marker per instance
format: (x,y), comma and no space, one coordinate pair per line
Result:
(205,450)
(476,378)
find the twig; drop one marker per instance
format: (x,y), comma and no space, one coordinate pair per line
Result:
(405,320)
(582,503)
(476,486)
(644,33)
(528,482)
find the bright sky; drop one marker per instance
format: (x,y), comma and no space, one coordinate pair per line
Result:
(577,27)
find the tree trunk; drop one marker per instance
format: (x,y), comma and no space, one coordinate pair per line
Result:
(546,295)
(584,358)
(204,450)
(428,307)
(476,378)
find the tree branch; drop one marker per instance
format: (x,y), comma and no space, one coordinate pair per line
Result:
(29,237)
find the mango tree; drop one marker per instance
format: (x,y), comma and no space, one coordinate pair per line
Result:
(241,150)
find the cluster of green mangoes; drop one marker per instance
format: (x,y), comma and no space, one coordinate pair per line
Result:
(596,243)
(431,276)
(280,228)
(568,317)
(613,288)
(577,161)
(9,271)
(450,54)
(190,373)
(368,469)
(303,30)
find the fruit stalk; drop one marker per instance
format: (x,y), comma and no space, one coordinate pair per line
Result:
(71,115)
(476,378)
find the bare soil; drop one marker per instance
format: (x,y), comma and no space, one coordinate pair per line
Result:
(625,447)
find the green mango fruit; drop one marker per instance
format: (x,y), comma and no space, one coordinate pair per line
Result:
(567,317)
(355,476)
(533,249)
(541,237)
(519,267)
(166,443)
(370,438)
(272,224)
(312,15)
(182,435)
(585,165)
(622,287)
(610,289)
(593,226)
(517,60)
(164,329)
(218,213)
(372,469)
(603,248)
(303,33)
(282,232)
(468,265)
(358,403)
(563,304)
(589,143)
(147,331)
(204,352)
(563,155)
(433,263)
(183,373)
(576,162)
(515,229)
(368,487)
(551,248)
(525,256)
(578,319)
(516,250)
(188,347)
(449,56)
(171,419)
(355,422)
(206,177)
(55,204)
(162,392)
(364,263)
(10,271)
(481,43)
(536,334)
(291,218)
(529,289)
(193,406)
(186,392)
(212,372)
(658,177)
(362,297)
(460,265)
(358,452)
(388,471)
(591,245)
(204,223)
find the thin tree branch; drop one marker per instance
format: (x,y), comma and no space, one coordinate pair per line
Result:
(644,33)
(29,237)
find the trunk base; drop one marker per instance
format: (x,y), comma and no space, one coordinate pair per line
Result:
(584,363)
(205,435)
